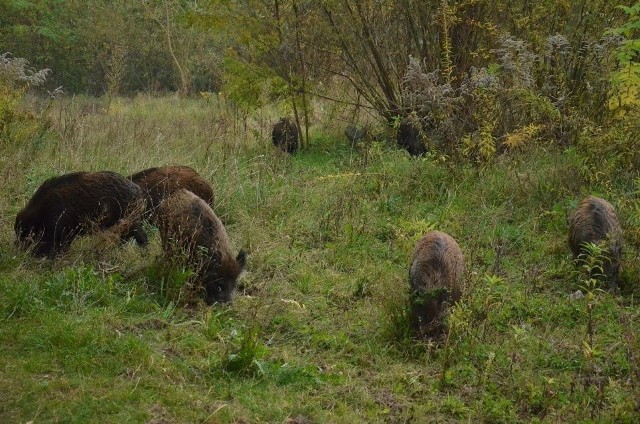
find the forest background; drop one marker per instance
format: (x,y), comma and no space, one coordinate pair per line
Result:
(525,107)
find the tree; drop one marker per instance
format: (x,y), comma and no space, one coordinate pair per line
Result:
(268,44)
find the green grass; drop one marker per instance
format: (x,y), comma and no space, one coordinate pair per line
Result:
(318,327)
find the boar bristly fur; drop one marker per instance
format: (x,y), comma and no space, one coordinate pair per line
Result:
(285,135)
(410,136)
(159,183)
(70,205)
(435,277)
(595,221)
(189,227)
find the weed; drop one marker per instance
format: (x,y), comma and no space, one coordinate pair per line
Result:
(591,270)
(170,282)
(244,358)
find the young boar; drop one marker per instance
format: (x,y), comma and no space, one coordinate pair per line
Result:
(435,276)
(189,227)
(595,221)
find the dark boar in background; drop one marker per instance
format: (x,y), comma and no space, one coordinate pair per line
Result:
(285,135)
(410,136)
(355,134)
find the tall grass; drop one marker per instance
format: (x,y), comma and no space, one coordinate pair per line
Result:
(316,330)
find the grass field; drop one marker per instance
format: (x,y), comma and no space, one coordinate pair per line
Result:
(318,329)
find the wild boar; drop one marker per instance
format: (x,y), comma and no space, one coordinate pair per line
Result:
(435,277)
(595,221)
(189,228)
(73,204)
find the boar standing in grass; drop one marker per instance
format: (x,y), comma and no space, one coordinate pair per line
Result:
(285,135)
(595,221)
(189,228)
(410,136)
(355,134)
(435,277)
(159,183)
(70,205)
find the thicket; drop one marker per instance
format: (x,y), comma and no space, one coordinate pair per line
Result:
(18,124)
(482,77)
(112,47)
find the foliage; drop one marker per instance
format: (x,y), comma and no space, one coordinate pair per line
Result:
(591,273)
(267,53)
(376,41)
(18,125)
(590,265)
(516,100)
(87,43)
(385,58)
(170,280)
(611,148)
(625,93)
(15,72)
(247,352)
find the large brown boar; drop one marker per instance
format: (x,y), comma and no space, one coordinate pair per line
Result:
(595,221)
(435,276)
(285,135)
(189,227)
(67,206)
(159,183)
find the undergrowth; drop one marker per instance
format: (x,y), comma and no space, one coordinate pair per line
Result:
(318,329)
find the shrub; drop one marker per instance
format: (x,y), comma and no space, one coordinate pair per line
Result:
(526,94)
(612,149)
(17,124)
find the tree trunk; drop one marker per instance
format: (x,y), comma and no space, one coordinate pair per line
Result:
(184,80)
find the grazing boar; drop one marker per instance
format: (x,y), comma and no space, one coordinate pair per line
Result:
(189,227)
(410,136)
(595,221)
(73,204)
(285,135)
(435,276)
(158,183)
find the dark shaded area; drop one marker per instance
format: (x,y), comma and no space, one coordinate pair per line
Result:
(285,135)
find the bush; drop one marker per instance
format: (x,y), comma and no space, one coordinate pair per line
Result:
(612,149)
(525,95)
(18,124)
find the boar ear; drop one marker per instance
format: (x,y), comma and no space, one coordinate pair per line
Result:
(242,259)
